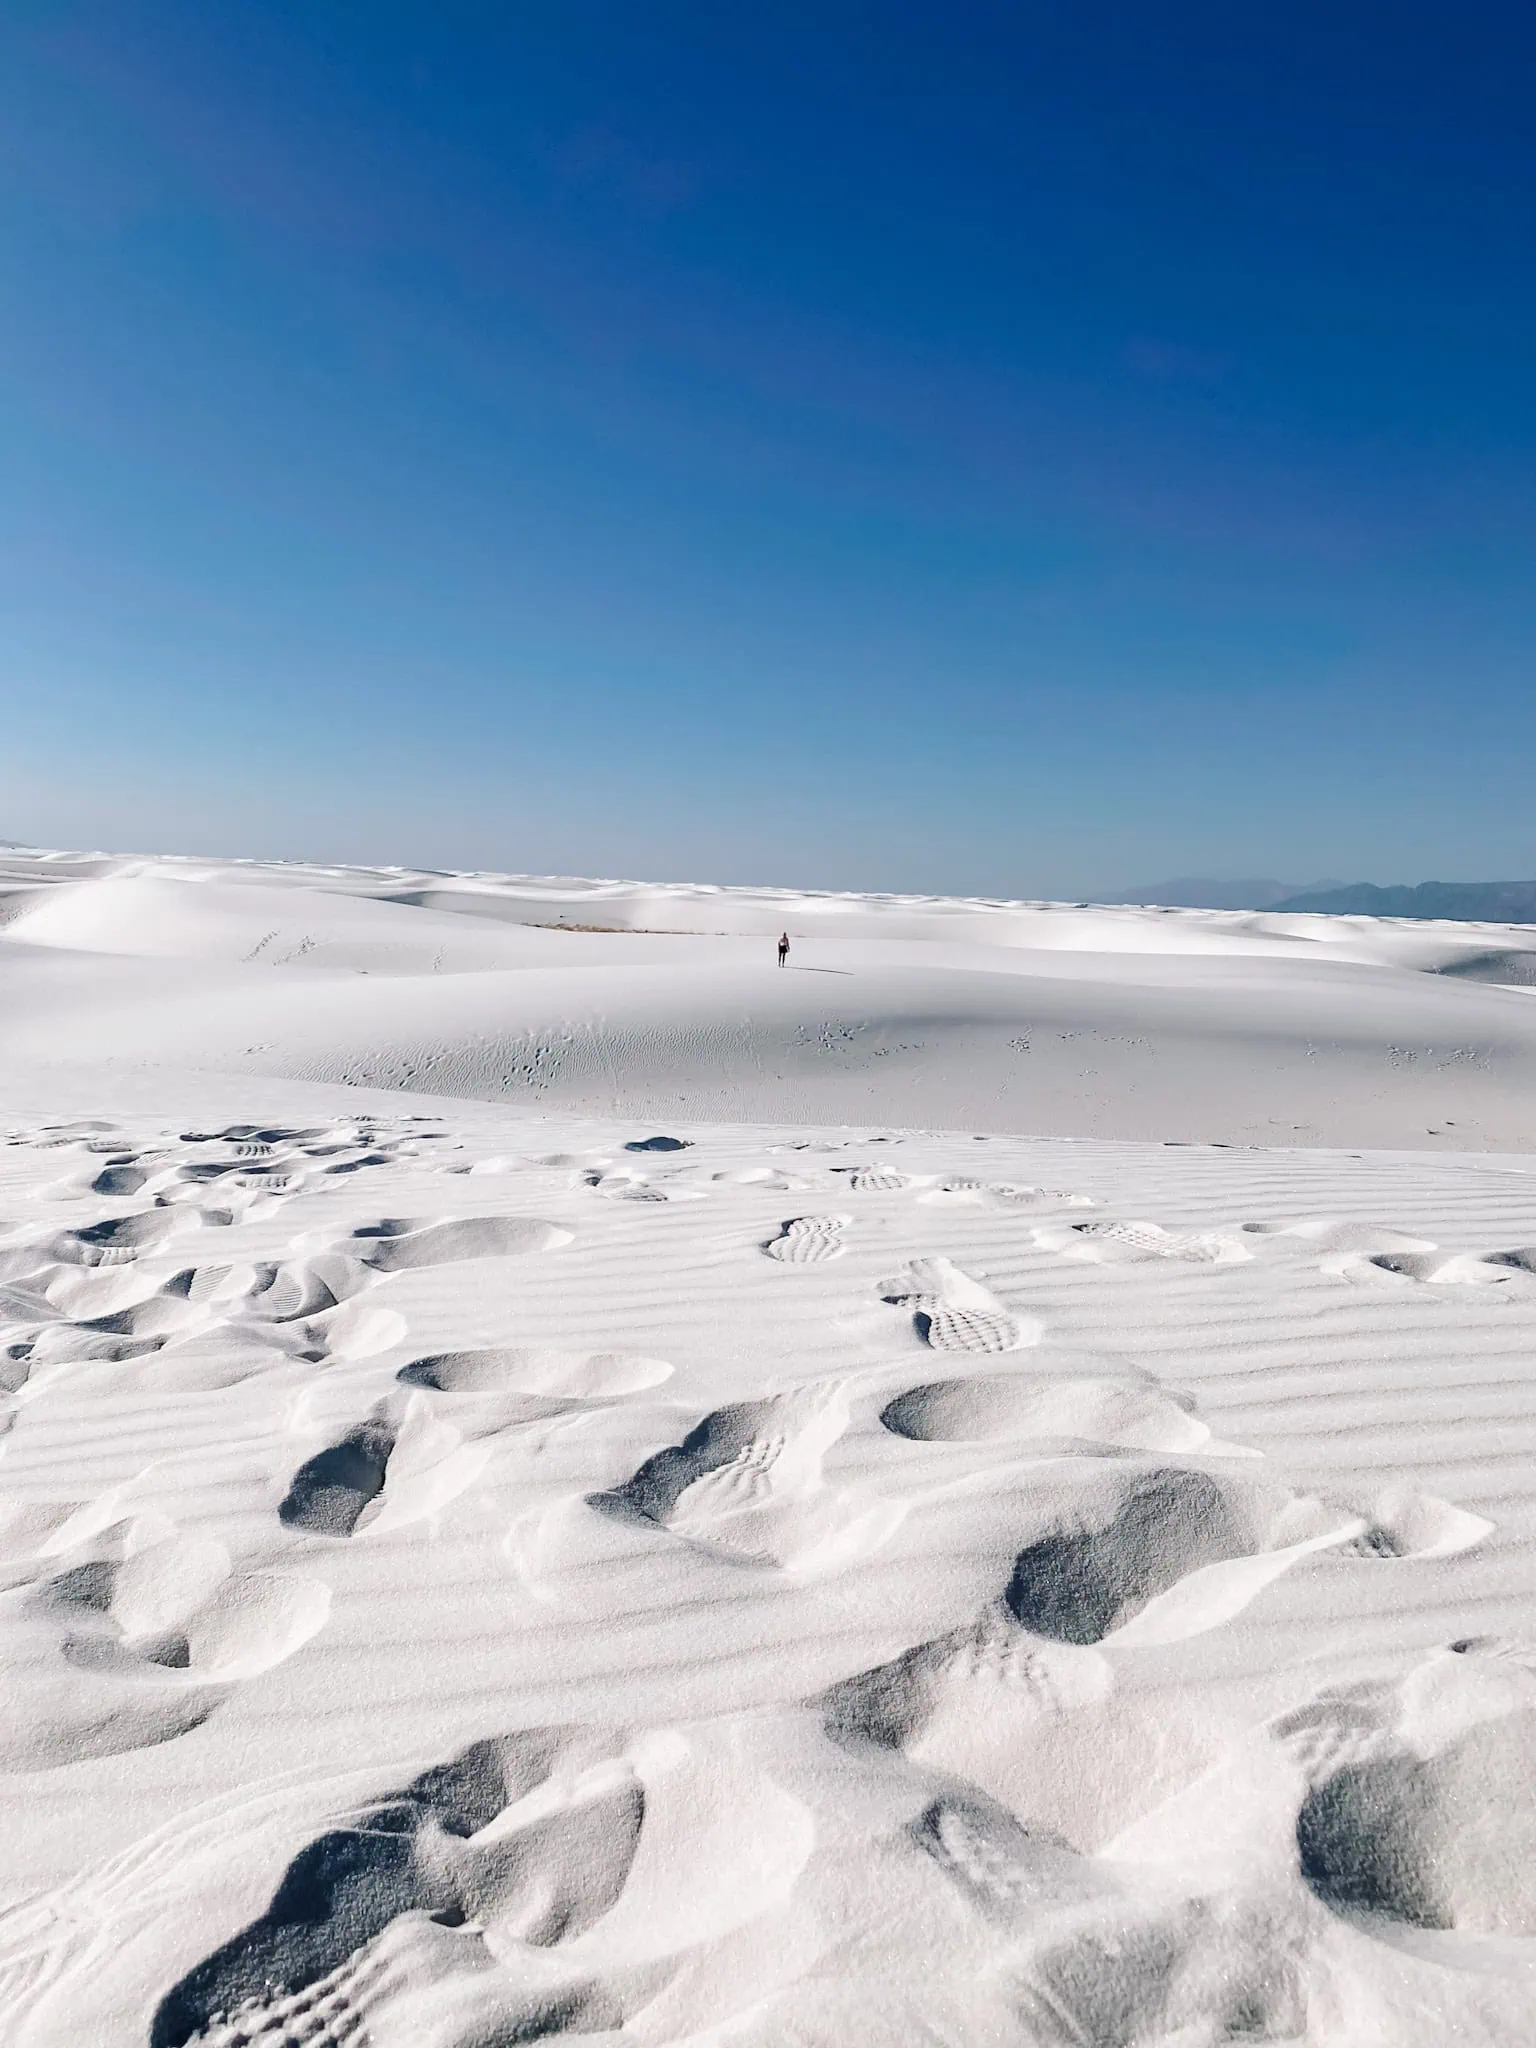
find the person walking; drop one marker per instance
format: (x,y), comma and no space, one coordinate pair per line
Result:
(783,947)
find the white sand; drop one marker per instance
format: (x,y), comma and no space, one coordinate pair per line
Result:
(474,1573)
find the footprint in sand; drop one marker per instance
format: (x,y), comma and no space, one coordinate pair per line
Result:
(47,1137)
(131,1300)
(1024,1698)
(278,1291)
(628,1185)
(1004,1869)
(1019,1197)
(1421,1800)
(1335,1234)
(1142,1557)
(520,1843)
(394,1467)
(1096,1958)
(808,1240)
(203,1329)
(747,1483)
(953,1312)
(125,1176)
(963,1193)
(1162,1555)
(493,1392)
(873,1180)
(400,1244)
(1084,1411)
(1369,1255)
(1404,1523)
(766,1178)
(895,1704)
(575,1376)
(80,1315)
(510,1892)
(330,1491)
(503,1162)
(119,1240)
(1124,1243)
(1515,1268)
(133,1635)
(1042,1727)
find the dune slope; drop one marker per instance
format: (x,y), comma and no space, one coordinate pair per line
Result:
(646,1000)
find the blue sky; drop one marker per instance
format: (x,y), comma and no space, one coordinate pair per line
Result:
(1000,447)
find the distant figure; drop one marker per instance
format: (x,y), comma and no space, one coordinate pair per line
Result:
(783,947)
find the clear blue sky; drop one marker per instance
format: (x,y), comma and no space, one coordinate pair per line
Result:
(1001,447)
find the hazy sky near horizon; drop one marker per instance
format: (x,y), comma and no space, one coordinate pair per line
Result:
(1000,447)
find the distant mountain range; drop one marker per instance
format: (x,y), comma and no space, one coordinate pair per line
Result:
(1200,892)
(1477,902)
(1467,902)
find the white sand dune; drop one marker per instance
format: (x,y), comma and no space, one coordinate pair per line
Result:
(1230,1027)
(683,1549)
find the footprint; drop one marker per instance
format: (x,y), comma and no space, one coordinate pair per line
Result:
(747,1482)
(564,1375)
(282,1292)
(1042,1727)
(952,1312)
(358,1163)
(119,1239)
(261,1137)
(55,1336)
(1086,1412)
(808,1240)
(1004,1869)
(400,1244)
(505,1162)
(1164,1555)
(328,1493)
(1403,1523)
(138,1641)
(122,1177)
(960,1191)
(1331,1234)
(64,1344)
(1520,1261)
(1422,1807)
(874,1180)
(628,1185)
(133,1334)
(1025,1699)
(179,1606)
(383,1474)
(83,1128)
(961,1675)
(1008,1194)
(1118,1243)
(1441,1269)
(523,1841)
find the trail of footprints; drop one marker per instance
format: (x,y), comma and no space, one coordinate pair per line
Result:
(533,1836)
(119,1629)
(488,1878)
